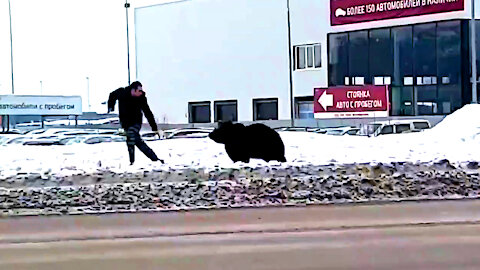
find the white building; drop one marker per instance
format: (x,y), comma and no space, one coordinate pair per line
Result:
(210,60)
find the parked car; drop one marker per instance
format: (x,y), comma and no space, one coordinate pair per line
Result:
(71,140)
(47,131)
(117,138)
(69,131)
(5,137)
(29,125)
(189,133)
(108,131)
(62,122)
(339,131)
(394,127)
(305,129)
(43,140)
(12,131)
(152,136)
(97,139)
(77,132)
(105,121)
(91,139)
(16,140)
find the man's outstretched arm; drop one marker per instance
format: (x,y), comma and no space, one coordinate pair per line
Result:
(112,99)
(148,114)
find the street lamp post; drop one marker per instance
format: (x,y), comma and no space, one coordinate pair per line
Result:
(88,93)
(11,44)
(11,57)
(474,55)
(127,5)
(292,104)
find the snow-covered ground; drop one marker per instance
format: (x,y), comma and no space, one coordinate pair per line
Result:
(457,139)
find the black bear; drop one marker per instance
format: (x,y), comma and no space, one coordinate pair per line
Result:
(245,142)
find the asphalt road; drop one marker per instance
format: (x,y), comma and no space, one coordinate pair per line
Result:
(434,235)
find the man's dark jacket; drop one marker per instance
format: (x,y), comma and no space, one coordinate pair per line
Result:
(130,108)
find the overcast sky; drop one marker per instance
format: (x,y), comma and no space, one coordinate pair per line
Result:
(61,42)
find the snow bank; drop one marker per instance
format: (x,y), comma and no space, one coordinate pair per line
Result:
(456,138)
(463,124)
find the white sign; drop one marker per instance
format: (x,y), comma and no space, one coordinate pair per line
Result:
(40,105)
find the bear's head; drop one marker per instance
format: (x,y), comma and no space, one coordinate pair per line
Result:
(222,133)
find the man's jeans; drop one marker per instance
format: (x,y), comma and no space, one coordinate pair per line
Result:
(134,138)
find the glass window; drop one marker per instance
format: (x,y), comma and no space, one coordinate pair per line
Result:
(337,58)
(402,102)
(352,132)
(449,66)
(380,53)
(358,55)
(310,57)
(407,105)
(424,42)
(300,57)
(420,125)
(368,129)
(400,128)
(402,40)
(426,93)
(388,129)
(94,140)
(427,108)
(305,110)
(450,96)
(199,112)
(425,64)
(225,111)
(265,109)
(468,96)
(318,56)
(396,101)
(448,50)
(304,107)
(477,38)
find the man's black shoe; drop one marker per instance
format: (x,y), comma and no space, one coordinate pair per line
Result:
(161,160)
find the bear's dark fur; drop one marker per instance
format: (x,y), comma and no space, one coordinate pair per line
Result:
(245,142)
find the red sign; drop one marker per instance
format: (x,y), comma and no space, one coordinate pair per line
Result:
(355,11)
(351,101)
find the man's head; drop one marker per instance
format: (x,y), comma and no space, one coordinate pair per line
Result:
(136,89)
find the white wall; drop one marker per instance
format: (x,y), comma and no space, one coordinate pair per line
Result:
(309,21)
(207,50)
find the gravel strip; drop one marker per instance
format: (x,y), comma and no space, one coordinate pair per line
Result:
(109,192)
